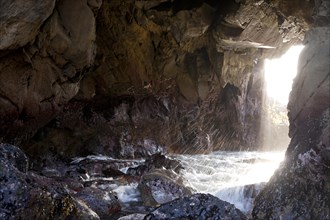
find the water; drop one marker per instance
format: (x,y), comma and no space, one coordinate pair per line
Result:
(231,176)
(128,193)
(224,174)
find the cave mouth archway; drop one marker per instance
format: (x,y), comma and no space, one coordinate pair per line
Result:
(279,74)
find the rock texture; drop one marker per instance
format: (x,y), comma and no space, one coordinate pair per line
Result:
(26,195)
(51,54)
(161,186)
(301,186)
(21,21)
(197,206)
(133,77)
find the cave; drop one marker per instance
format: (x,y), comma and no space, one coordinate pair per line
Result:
(154,109)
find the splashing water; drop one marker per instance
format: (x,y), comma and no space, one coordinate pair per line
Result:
(230,175)
(235,177)
(128,193)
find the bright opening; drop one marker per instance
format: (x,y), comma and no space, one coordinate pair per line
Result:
(279,74)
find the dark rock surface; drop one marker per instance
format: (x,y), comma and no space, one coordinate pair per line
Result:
(139,75)
(300,189)
(161,186)
(102,202)
(156,161)
(21,21)
(27,195)
(129,79)
(13,191)
(197,206)
(14,156)
(54,44)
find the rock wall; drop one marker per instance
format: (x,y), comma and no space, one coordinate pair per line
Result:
(300,188)
(45,48)
(118,76)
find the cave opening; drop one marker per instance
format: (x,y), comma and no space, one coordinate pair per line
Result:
(164,109)
(279,74)
(237,176)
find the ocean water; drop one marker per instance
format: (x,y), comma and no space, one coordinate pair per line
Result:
(224,174)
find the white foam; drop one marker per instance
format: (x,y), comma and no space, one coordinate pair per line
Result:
(223,174)
(128,193)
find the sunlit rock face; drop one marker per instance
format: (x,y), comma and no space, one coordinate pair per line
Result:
(301,187)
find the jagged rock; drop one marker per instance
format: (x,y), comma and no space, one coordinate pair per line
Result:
(59,53)
(14,156)
(197,206)
(162,68)
(180,74)
(26,195)
(300,188)
(13,190)
(100,166)
(83,212)
(161,186)
(102,202)
(155,161)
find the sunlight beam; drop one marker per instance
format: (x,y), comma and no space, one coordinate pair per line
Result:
(279,74)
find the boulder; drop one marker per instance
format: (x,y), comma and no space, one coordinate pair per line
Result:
(27,195)
(13,191)
(102,202)
(156,161)
(161,186)
(136,216)
(14,156)
(197,206)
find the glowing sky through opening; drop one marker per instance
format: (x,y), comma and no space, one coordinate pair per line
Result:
(279,74)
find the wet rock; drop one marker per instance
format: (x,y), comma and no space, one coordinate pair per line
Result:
(136,216)
(161,186)
(100,166)
(13,190)
(83,212)
(252,190)
(102,202)
(14,156)
(156,161)
(197,206)
(110,172)
(27,195)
